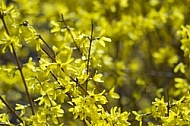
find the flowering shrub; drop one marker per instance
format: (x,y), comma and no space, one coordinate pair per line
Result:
(94,63)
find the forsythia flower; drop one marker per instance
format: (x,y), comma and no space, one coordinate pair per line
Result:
(159,108)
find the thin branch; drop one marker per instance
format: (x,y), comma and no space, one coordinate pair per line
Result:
(98,88)
(68,29)
(19,66)
(52,58)
(40,37)
(69,96)
(11,110)
(89,51)
(4,24)
(47,97)
(23,79)
(76,81)
(168,99)
(64,71)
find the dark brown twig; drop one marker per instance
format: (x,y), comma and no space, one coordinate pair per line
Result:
(89,51)
(19,65)
(11,110)
(47,97)
(40,37)
(53,59)
(72,37)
